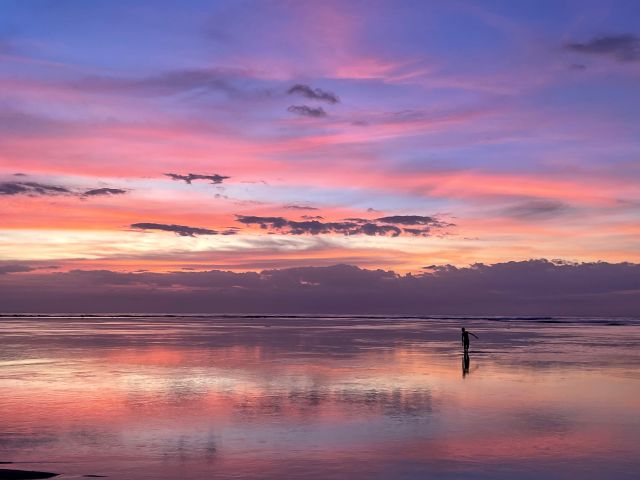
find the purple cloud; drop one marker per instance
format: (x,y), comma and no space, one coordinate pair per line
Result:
(349,226)
(314,93)
(307,111)
(624,47)
(190,177)
(534,287)
(181,230)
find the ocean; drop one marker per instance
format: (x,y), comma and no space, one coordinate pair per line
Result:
(319,397)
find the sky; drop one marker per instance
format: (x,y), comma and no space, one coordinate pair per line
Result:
(163,136)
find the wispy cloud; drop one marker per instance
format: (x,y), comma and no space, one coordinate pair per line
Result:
(386,226)
(412,220)
(190,177)
(181,230)
(32,189)
(299,207)
(536,209)
(6,268)
(39,189)
(104,191)
(307,111)
(314,93)
(624,47)
(168,83)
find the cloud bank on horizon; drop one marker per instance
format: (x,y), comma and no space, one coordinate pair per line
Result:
(264,135)
(534,287)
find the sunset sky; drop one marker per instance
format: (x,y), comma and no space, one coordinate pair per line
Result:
(198,135)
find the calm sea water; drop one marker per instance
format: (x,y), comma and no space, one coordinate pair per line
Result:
(320,398)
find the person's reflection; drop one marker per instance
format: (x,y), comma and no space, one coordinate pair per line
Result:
(465,364)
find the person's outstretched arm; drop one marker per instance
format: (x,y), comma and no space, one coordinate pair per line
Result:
(474,335)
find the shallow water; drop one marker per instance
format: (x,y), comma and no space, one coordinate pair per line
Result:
(331,397)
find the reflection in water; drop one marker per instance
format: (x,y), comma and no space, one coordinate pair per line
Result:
(318,398)
(465,364)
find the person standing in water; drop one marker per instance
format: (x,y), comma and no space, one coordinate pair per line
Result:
(465,339)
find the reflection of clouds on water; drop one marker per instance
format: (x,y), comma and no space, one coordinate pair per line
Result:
(339,337)
(89,436)
(10,441)
(391,402)
(182,391)
(244,341)
(92,436)
(543,421)
(176,392)
(185,448)
(318,398)
(306,402)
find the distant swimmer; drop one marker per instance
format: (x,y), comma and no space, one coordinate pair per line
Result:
(465,338)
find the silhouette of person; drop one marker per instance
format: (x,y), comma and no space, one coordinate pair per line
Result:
(465,339)
(465,364)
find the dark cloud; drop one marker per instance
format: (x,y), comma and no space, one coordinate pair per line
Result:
(104,191)
(536,209)
(624,47)
(396,224)
(418,232)
(181,230)
(312,217)
(412,220)
(6,268)
(577,67)
(532,288)
(169,83)
(384,226)
(264,222)
(314,93)
(307,111)
(357,220)
(190,177)
(14,268)
(373,229)
(12,188)
(32,188)
(299,207)
(35,189)
(388,226)
(312,227)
